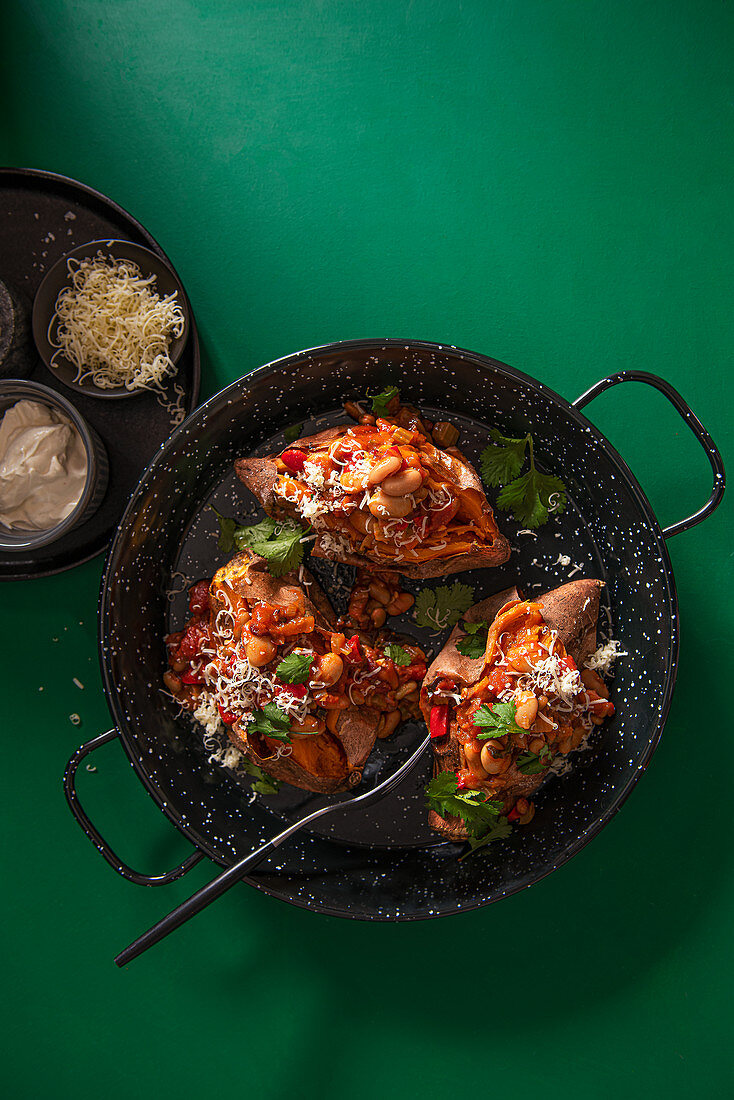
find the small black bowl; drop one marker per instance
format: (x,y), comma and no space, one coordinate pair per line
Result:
(44,308)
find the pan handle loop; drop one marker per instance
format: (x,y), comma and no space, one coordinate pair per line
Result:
(712,451)
(96,838)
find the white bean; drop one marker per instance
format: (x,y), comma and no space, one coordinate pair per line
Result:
(407,481)
(493,765)
(384,468)
(383,506)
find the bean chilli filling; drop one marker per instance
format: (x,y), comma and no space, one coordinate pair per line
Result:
(382,494)
(301,699)
(500,723)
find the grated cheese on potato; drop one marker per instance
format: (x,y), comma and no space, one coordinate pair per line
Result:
(113,326)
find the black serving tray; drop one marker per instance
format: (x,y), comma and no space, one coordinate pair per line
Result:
(42,217)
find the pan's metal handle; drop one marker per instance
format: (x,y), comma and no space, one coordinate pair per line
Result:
(703,437)
(97,840)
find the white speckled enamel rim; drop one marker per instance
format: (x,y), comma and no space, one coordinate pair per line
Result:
(280,882)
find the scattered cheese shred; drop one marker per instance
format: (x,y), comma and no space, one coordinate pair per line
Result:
(113,326)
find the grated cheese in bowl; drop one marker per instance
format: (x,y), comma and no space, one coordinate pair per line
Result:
(112,326)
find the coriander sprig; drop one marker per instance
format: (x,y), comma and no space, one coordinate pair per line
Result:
(482,817)
(276,540)
(532,496)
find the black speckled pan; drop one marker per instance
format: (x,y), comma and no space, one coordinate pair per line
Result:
(384,863)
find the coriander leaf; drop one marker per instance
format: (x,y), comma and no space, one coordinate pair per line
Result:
(475,642)
(397,654)
(290,435)
(380,401)
(295,668)
(278,541)
(496,721)
(552,492)
(272,722)
(499,831)
(438,608)
(473,807)
(227,528)
(265,784)
(531,763)
(284,552)
(502,460)
(528,497)
(474,628)
(254,535)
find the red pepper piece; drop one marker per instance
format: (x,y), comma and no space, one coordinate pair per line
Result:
(294,460)
(439,723)
(568,663)
(460,782)
(514,814)
(298,691)
(354,653)
(228,718)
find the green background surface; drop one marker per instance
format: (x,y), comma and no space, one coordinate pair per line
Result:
(546,182)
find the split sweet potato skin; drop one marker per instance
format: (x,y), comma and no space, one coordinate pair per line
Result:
(324,762)
(572,610)
(260,475)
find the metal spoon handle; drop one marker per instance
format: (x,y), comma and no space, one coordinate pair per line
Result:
(219,885)
(209,893)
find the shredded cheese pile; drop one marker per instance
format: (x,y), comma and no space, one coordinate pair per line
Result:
(113,326)
(605,655)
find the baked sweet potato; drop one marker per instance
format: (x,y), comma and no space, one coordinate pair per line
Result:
(381,496)
(313,724)
(534,661)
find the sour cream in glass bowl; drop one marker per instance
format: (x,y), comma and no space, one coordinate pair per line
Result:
(53,466)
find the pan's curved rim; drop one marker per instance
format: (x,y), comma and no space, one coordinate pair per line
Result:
(631,483)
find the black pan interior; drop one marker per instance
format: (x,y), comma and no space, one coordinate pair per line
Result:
(384,863)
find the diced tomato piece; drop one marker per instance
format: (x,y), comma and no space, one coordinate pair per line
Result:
(514,813)
(228,718)
(439,721)
(191,677)
(294,460)
(196,635)
(354,653)
(568,663)
(498,681)
(199,597)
